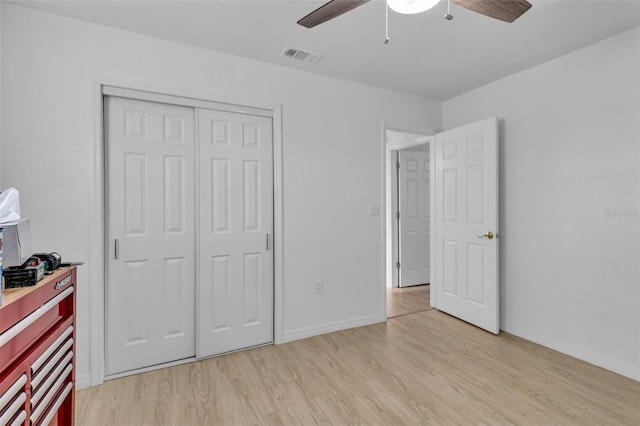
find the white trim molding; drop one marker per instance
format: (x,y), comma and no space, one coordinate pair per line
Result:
(83,381)
(278,228)
(316,330)
(629,371)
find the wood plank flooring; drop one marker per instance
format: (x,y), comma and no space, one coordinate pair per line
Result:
(407,300)
(425,368)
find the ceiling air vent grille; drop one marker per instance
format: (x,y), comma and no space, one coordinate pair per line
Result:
(301,55)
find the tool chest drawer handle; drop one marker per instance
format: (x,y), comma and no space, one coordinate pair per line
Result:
(13,409)
(57,404)
(12,391)
(20,419)
(51,349)
(33,317)
(37,412)
(37,378)
(39,392)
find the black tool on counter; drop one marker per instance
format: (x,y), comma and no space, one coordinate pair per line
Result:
(34,269)
(25,275)
(51,260)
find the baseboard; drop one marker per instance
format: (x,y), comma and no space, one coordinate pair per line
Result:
(303,333)
(619,368)
(83,381)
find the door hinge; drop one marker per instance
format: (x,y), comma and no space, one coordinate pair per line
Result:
(398,264)
(397,215)
(398,165)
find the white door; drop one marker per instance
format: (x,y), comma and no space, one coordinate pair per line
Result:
(236,221)
(150,291)
(466,223)
(413,182)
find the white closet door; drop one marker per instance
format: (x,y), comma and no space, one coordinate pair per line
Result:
(236,220)
(150,293)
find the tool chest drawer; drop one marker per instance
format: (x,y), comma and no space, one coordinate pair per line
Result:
(37,349)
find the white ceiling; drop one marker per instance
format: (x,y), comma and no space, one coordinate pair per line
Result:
(427,56)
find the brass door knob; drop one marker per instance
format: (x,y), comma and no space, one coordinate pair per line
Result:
(488,235)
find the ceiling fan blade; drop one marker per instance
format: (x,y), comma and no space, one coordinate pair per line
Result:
(504,10)
(329,11)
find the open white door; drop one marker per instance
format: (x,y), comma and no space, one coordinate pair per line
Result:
(466,223)
(413,194)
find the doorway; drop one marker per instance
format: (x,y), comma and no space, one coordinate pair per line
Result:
(412,214)
(463,221)
(408,201)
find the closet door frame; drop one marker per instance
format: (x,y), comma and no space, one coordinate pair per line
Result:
(103,86)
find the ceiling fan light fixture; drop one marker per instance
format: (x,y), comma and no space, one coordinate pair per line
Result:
(409,7)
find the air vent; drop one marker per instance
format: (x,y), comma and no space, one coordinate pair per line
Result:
(301,55)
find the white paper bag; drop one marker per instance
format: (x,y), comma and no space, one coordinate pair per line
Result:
(9,205)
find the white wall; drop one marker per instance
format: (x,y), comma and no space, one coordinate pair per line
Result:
(332,149)
(570,153)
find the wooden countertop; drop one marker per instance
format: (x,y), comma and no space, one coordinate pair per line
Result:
(12,294)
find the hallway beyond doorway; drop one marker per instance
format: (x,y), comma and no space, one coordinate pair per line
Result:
(407,300)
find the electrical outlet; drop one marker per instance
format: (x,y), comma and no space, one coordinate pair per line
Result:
(319,286)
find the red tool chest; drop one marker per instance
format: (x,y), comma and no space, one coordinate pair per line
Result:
(37,352)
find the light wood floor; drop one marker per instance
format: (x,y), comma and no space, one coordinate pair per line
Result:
(407,300)
(424,368)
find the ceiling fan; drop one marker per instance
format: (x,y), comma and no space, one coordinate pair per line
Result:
(504,10)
